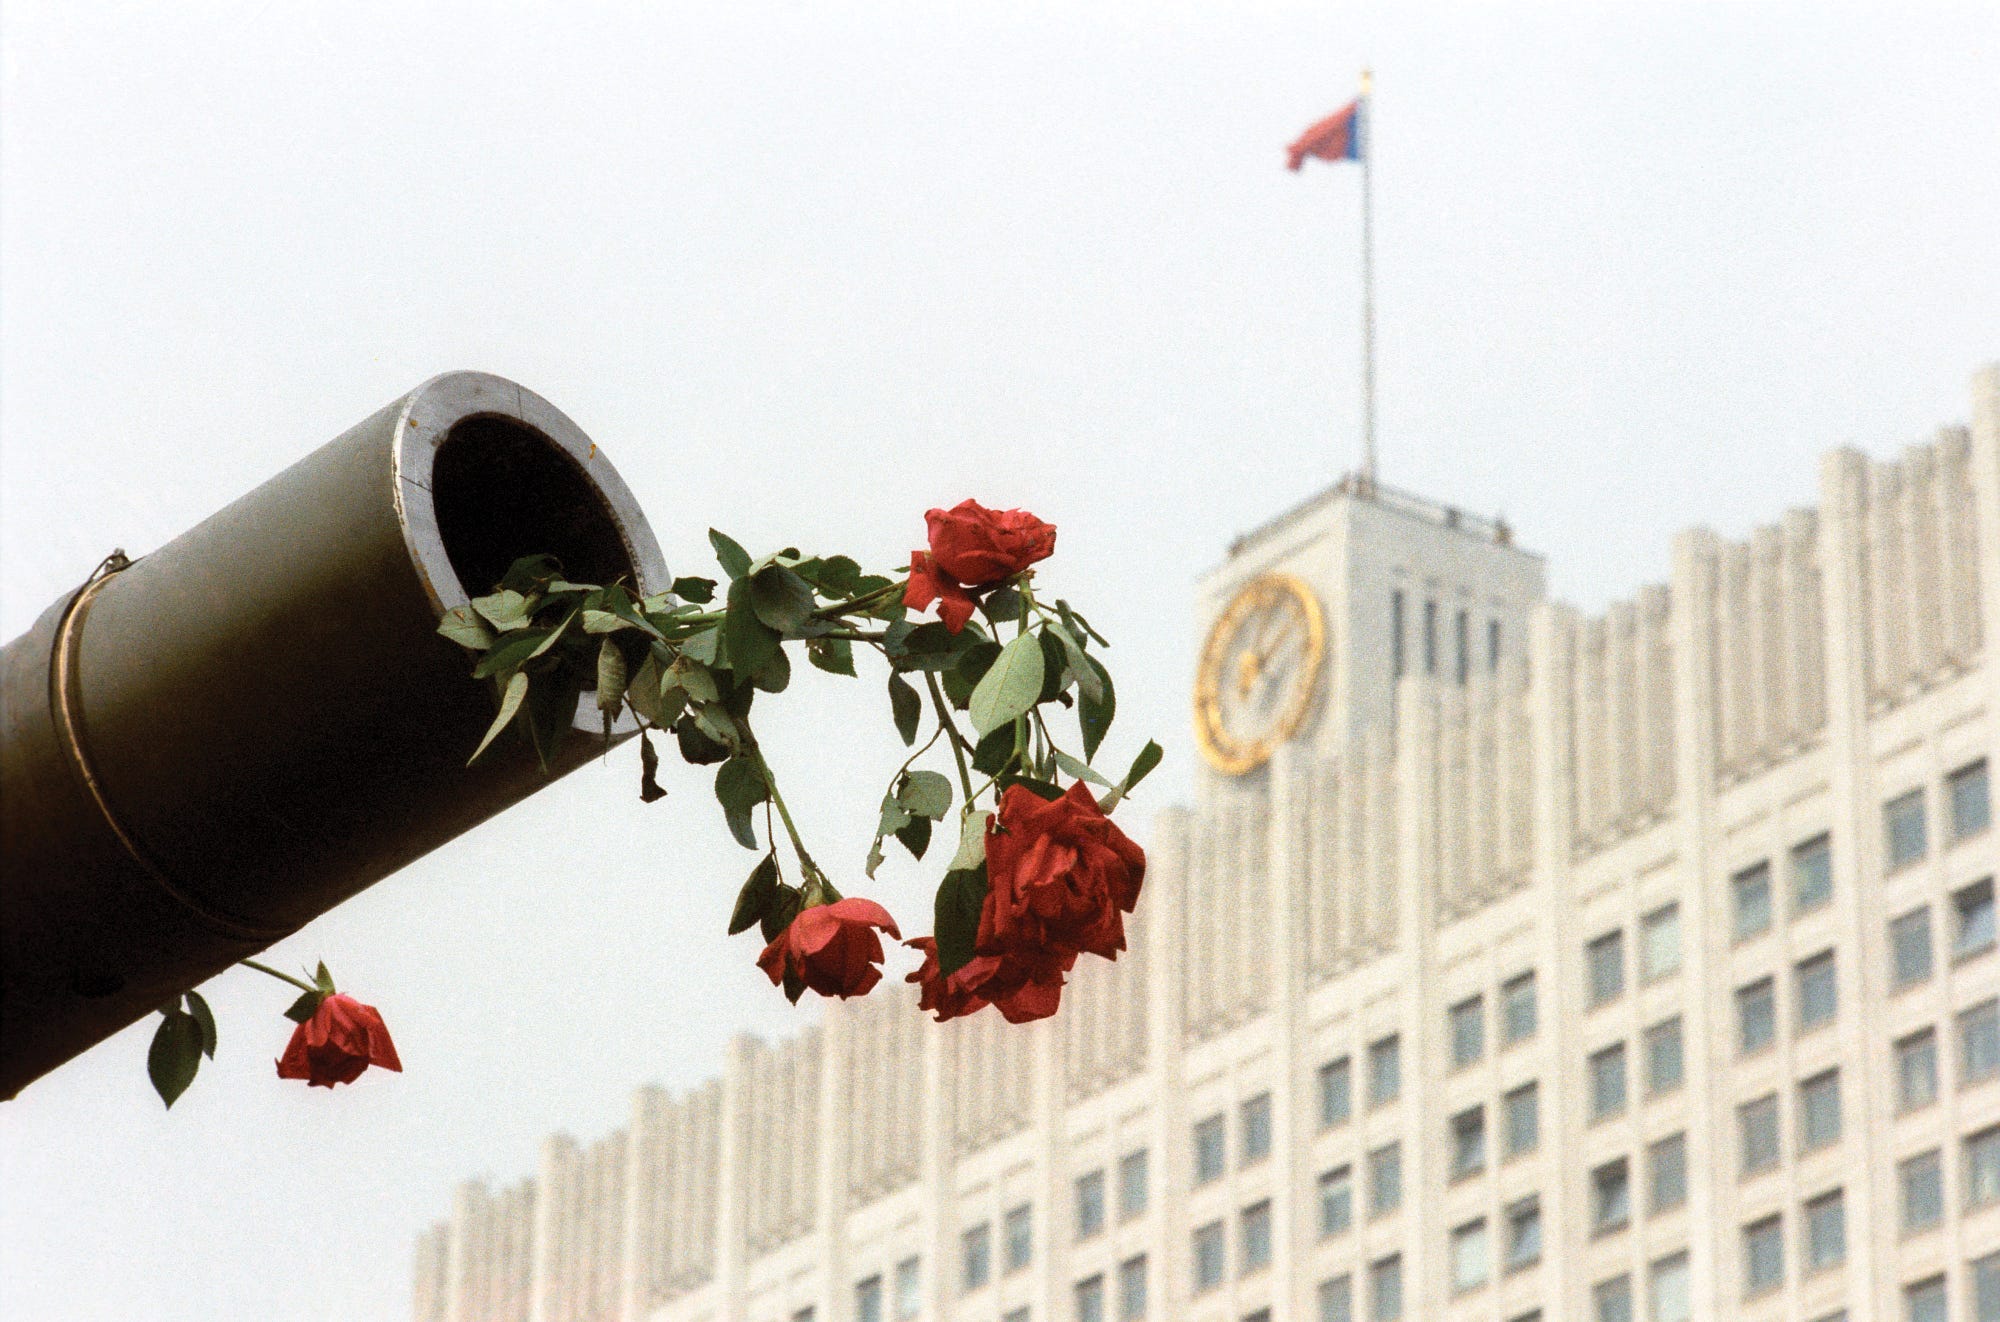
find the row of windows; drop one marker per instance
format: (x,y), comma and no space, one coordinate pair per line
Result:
(1916,1056)
(1659,956)
(1132,1194)
(1968,805)
(1253,1246)
(1751,909)
(1823,1245)
(1211,1142)
(1972,934)
(1384,1293)
(1816,996)
(1468,1020)
(1666,1185)
(1017,1234)
(1462,631)
(1131,1286)
(1665,1059)
(1925,1300)
(1920,1181)
(1336,1081)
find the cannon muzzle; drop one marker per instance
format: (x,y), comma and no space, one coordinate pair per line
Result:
(203,751)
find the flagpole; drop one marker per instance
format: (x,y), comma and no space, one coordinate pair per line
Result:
(1366,128)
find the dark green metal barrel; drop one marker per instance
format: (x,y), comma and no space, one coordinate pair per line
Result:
(202,752)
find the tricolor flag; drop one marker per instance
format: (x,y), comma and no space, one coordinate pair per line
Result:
(1335,138)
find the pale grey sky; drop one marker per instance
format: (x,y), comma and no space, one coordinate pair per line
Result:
(805,270)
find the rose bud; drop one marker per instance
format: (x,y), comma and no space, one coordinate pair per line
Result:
(343,1038)
(1060,876)
(831,949)
(955,604)
(977,546)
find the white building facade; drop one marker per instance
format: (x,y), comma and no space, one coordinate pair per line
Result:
(1629,968)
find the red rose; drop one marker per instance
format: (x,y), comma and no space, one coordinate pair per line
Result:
(1060,876)
(955,604)
(951,997)
(830,948)
(1024,985)
(978,546)
(343,1038)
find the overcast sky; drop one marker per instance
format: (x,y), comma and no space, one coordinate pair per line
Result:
(804,271)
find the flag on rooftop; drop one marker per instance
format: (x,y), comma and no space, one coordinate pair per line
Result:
(1335,138)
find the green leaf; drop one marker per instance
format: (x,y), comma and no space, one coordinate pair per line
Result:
(649,770)
(733,558)
(304,1008)
(993,751)
(838,574)
(704,647)
(894,816)
(1093,715)
(1045,789)
(697,748)
(510,704)
(204,1019)
(324,979)
(643,692)
(971,842)
(463,626)
(955,918)
(1055,667)
(833,655)
(552,712)
(926,793)
(1002,606)
(698,590)
(1080,770)
(510,652)
(739,783)
(782,599)
(1149,757)
(975,661)
(612,676)
(1010,687)
(915,835)
(531,572)
(756,897)
(776,675)
(874,859)
(697,679)
(175,1055)
(714,720)
(742,827)
(957,688)
(751,641)
(779,914)
(1074,618)
(1087,682)
(905,706)
(506,610)
(933,647)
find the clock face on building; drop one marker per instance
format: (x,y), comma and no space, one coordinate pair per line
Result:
(1258,672)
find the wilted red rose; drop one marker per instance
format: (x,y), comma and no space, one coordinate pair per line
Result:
(1023,985)
(343,1038)
(955,604)
(1060,876)
(831,949)
(978,546)
(950,996)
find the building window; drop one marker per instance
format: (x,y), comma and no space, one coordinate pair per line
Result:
(1385,1179)
(1336,1200)
(1517,1008)
(1090,1299)
(1020,1314)
(1985,1288)
(1750,893)
(976,1257)
(1209,1152)
(1812,874)
(1982,1168)
(1819,1111)
(1910,948)
(1972,908)
(909,1289)
(1607,1081)
(1256,1119)
(1604,961)
(1468,1030)
(1660,943)
(1670,1288)
(1971,806)
(1763,1256)
(1464,648)
(1207,1257)
(1089,1204)
(1132,1289)
(1469,1256)
(1336,1093)
(1253,1238)
(1667,1173)
(1385,1289)
(1757,1130)
(1826,1232)
(1524,1119)
(1916,1071)
(1493,646)
(1430,638)
(1756,1016)
(1818,994)
(1396,658)
(805,1314)
(1924,1301)
(1385,1071)
(868,1300)
(1920,1182)
(1468,1143)
(1524,1234)
(1978,1044)
(1664,1058)
(1019,1228)
(1610,1197)
(1611,1301)
(1336,1299)
(1903,831)
(1132,1185)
